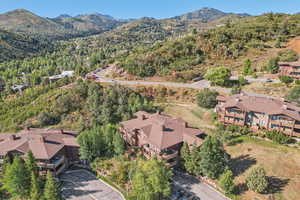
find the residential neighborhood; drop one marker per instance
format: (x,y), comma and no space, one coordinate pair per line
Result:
(149,100)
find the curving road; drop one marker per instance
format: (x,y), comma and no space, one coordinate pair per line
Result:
(197,85)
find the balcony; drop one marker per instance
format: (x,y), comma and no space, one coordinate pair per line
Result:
(297,126)
(235,122)
(168,154)
(282,123)
(54,162)
(235,115)
(171,164)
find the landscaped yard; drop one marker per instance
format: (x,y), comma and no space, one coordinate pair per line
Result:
(281,163)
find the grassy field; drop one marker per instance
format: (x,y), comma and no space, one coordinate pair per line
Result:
(281,163)
(194,115)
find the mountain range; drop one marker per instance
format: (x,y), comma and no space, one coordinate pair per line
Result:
(25,33)
(66,26)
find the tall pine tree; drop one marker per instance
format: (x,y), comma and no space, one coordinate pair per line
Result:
(51,191)
(214,159)
(35,189)
(17,179)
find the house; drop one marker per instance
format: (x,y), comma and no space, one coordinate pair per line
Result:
(53,149)
(64,74)
(160,135)
(19,88)
(291,69)
(259,113)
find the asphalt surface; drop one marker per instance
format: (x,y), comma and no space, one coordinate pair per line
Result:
(196,188)
(83,185)
(196,85)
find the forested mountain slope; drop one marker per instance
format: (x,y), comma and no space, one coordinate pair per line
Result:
(15,46)
(226,42)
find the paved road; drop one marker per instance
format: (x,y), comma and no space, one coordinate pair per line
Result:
(194,186)
(197,85)
(83,185)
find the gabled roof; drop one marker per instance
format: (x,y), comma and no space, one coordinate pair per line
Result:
(163,131)
(266,105)
(44,143)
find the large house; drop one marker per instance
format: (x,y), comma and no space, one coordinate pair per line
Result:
(259,113)
(54,150)
(160,135)
(291,69)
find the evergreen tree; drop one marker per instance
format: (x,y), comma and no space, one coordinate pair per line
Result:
(51,191)
(214,159)
(151,180)
(35,190)
(31,163)
(226,182)
(94,103)
(247,69)
(118,143)
(17,179)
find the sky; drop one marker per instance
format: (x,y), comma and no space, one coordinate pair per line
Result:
(125,9)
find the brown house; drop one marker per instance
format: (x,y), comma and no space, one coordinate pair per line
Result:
(54,150)
(160,135)
(291,69)
(259,113)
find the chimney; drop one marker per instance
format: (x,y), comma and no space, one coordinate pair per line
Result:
(285,106)
(62,131)
(12,137)
(237,99)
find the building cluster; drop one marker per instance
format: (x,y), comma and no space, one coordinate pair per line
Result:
(156,135)
(259,113)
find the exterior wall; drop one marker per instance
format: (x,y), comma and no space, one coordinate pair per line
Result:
(257,121)
(292,71)
(138,139)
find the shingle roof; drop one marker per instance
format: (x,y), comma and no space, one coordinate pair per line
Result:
(163,131)
(44,143)
(262,105)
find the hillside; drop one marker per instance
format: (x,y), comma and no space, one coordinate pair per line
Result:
(89,23)
(225,44)
(15,46)
(23,21)
(206,15)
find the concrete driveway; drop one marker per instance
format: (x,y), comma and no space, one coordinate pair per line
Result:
(196,188)
(83,185)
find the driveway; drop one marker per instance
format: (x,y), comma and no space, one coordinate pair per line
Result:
(83,185)
(197,188)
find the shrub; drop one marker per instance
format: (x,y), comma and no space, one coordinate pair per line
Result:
(286,79)
(273,66)
(294,95)
(207,98)
(288,56)
(257,180)
(218,76)
(278,137)
(226,182)
(297,82)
